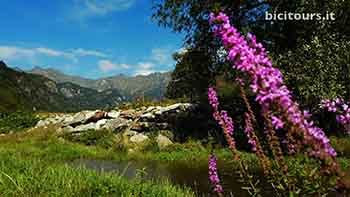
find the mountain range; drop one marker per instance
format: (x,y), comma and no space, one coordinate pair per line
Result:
(51,90)
(151,87)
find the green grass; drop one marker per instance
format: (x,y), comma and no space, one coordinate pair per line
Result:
(16,121)
(39,178)
(33,164)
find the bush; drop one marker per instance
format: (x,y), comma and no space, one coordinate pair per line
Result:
(17,121)
(103,138)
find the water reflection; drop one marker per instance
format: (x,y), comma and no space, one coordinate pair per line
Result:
(194,175)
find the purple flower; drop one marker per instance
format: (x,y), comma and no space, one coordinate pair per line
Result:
(251,58)
(213,98)
(222,117)
(249,131)
(341,109)
(277,122)
(213,175)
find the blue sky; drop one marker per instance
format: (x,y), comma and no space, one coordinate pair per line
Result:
(89,38)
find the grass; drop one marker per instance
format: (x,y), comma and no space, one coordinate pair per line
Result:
(33,164)
(38,178)
(16,121)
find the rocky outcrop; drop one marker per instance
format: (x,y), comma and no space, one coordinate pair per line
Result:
(141,120)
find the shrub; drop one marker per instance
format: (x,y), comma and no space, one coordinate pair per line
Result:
(103,138)
(17,121)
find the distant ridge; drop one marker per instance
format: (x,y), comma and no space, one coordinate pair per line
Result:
(26,91)
(151,86)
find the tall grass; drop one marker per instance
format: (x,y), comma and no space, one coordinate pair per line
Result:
(38,178)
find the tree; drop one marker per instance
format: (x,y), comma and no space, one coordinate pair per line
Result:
(297,47)
(190,78)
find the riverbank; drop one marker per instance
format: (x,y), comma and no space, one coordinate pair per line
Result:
(38,163)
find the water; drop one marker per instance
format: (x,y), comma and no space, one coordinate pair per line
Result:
(193,175)
(183,174)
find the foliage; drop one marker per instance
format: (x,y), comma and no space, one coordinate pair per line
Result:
(102,138)
(17,121)
(342,145)
(317,69)
(313,55)
(190,77)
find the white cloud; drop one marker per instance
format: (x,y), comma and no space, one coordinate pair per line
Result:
(106,66)
(141,68)
(11,52)
(14,53)
(162,55)
(56,53)
(50,52)
(85,52)
(144,68)
(85,9)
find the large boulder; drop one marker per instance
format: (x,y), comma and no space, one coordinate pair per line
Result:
(163,141)
(117,125)
(80,118)
(85,127)
(113,114)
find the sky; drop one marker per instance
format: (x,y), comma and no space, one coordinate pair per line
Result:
(89,38)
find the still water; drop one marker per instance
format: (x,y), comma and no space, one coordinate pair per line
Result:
(193,175)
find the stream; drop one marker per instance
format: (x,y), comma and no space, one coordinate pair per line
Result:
(193,175)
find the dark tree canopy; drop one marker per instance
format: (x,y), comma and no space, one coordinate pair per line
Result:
(312,54)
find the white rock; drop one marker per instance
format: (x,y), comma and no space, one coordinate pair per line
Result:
(163,141)
(99,124)
(113,114)
(116,124)
(41,123)
(139,138)
(148,116)
(149,109)
(86,127)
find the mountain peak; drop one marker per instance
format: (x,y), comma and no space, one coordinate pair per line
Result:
(41,69)
(2,64)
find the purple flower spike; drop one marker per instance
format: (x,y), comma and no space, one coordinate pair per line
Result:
(250,57)
(213,175)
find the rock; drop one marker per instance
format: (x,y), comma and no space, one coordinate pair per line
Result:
(117,125)
(81,118)
(139,138)
(136,127)
(86,127)
(41,123)
(113,114)
(149,109)
(84,117)
(128,114)
(163,141)
(99,124)
(168,134)
(99,115)
(144,119)
(67,129)
(129,133)
(147,116)
(162,126)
